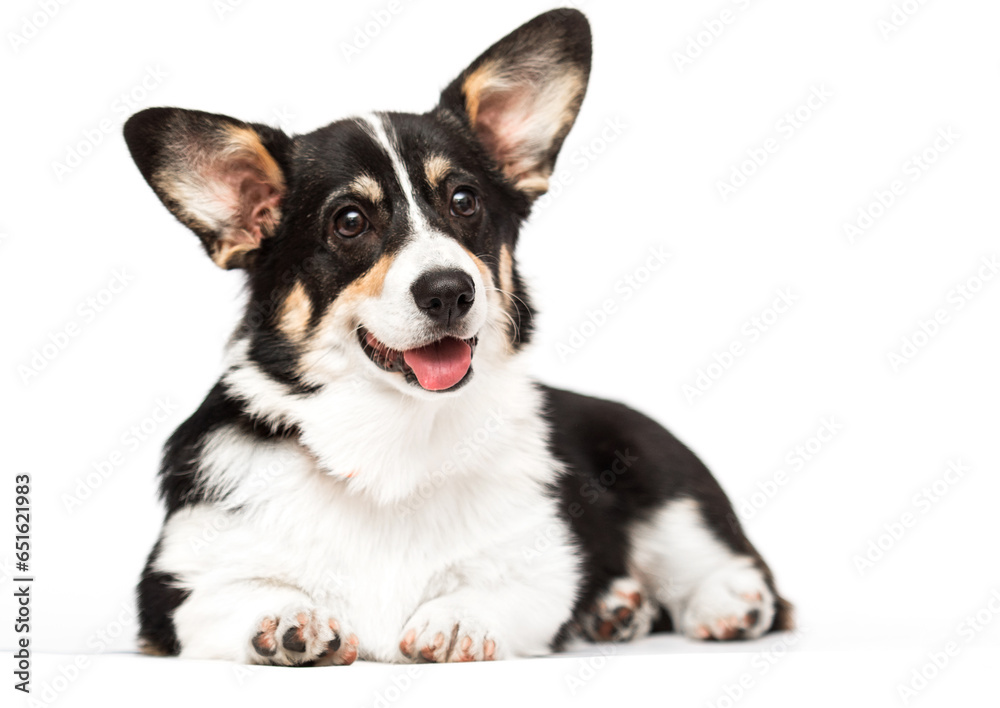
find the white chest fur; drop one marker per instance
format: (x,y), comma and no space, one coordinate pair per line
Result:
(382,507)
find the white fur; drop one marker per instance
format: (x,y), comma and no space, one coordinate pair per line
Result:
(706,587)
(337,543)
(379,130)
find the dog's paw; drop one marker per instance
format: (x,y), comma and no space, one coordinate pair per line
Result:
(439,633)
(302,636)
(732,603)
(621,614)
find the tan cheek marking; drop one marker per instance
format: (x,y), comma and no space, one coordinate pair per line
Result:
(506,271)
(368,187)
(505,290)
(436,168)
(483,270)
(296,312)
(370,284)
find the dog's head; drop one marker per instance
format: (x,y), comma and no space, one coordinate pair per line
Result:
(386,241)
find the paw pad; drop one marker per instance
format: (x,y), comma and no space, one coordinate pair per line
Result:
(305,640)
(622,613)
(733,603)
(437,636)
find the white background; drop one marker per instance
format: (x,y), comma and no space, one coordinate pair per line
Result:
(655,184)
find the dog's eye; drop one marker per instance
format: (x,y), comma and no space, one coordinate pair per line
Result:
(464,202)
(349,223)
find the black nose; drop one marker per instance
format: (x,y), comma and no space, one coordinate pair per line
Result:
(444,295)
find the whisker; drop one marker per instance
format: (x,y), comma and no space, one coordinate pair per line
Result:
(514,298)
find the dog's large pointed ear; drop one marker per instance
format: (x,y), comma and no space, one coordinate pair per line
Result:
(522,95)
(219,176)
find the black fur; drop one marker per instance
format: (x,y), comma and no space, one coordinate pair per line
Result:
(179,481)
(601,498)
(157,597)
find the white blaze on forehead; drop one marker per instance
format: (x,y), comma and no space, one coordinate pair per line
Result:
(393,316)
(376,127)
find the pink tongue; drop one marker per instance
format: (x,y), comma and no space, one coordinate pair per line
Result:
(440,365)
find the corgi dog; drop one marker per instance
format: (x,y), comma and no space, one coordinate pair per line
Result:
(376,475)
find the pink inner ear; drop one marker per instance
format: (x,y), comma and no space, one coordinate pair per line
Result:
(503,123)
(254,204)
(260,202)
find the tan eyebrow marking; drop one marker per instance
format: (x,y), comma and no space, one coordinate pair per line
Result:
(436,168)
(368,187)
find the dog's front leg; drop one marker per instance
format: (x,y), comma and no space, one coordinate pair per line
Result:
(492,619)
(261,622)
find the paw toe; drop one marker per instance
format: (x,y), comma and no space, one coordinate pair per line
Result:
(300,637)
(621,614)
(263,641)
(731,604)
(438,636)
(293,640)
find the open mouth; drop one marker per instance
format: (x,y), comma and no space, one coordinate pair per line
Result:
(438,366)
